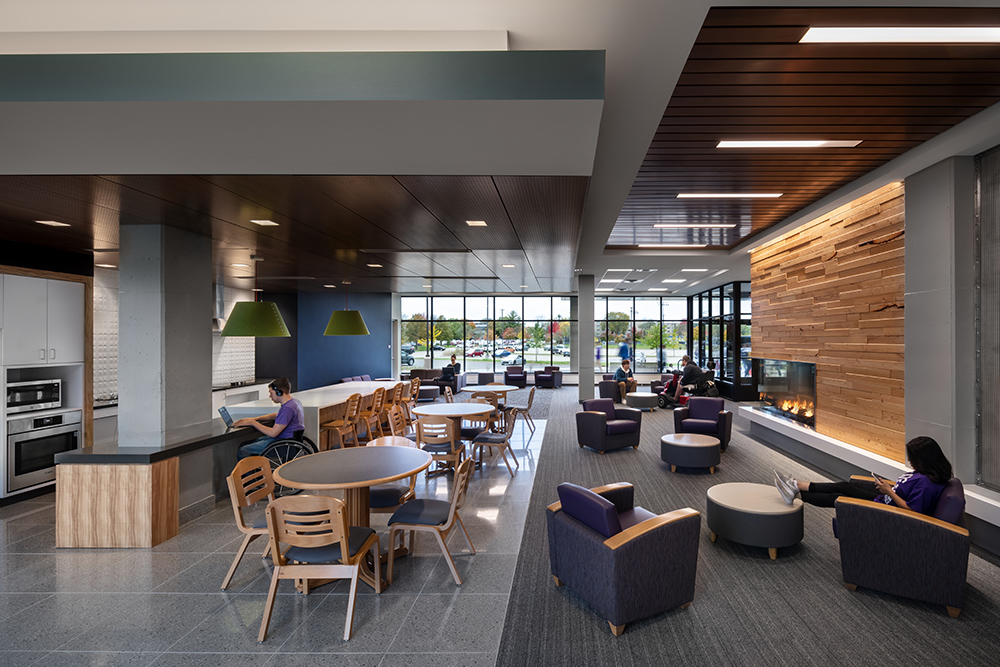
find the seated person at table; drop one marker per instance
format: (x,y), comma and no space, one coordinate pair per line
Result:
(623,376)
(450,371)
(287,420)
(689,376)
(917,491)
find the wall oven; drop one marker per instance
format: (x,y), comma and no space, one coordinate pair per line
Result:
(34,395)
(32,444)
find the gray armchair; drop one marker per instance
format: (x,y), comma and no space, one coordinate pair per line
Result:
(624,561)
(608,388)
(896,551)
(551,377)
(514,376)
(603,427)
(707,416)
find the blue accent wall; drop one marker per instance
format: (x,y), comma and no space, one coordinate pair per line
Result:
(323,360)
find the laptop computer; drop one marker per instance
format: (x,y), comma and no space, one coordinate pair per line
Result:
(226,417)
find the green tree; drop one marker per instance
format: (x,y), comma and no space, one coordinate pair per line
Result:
(618,326)
(415,330)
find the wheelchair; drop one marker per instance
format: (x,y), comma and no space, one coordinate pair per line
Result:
(284,450)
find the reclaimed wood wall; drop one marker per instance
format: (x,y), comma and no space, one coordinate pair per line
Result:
(831,293)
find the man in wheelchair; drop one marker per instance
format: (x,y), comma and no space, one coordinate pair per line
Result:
(288,420)
(700,384)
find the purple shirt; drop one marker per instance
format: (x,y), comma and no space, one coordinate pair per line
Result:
(919,492)
(291,414)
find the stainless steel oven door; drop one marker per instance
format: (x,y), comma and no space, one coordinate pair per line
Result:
(31,455)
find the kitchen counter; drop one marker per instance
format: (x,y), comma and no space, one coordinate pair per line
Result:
(175,442)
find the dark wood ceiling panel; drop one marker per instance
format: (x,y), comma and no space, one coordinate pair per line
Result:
(747,77)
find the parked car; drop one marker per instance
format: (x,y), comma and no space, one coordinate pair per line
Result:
(439,347)
(406,358)
(502,353)
(476,353)
(408,347)
(513,361)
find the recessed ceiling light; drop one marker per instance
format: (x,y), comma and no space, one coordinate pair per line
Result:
(604,289)
(330,286)
(657,289)
(905,35)
(375,266)
(625,270)
(696,225)
(106,266)
(241,266)
(672,245)
(507,266)
(525,286)
(52,223)
(609,280)
(790,143)
(265,223)
(729,195)
(476,223)
(693,270)
(256,289)
(673,280)
(427,286)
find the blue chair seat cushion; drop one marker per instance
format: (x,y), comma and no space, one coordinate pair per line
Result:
(631,517)
(470,432)
(439,448)
(492,438)
(387,495)
(330,553)
(706,426)
(593,510)
(619,426)
(422,512)
(259,523)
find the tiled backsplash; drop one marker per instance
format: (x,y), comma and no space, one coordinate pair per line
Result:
(232,358)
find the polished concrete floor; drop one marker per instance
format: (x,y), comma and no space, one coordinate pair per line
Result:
(163,606)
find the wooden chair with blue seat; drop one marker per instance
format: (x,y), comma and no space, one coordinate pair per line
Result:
(434,516)
(320,546)
(624,561)
(500,440)
(249,483)
(437,436)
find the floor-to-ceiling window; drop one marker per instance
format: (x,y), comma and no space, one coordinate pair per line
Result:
(650,331)
(720,328)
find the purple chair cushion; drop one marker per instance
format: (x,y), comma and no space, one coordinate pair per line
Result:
(356,378)
(705,426)
(703,407)
(629,518)
(608,376)
(605,405)
(951,503)
(590,509)
(551,369)
(347,379)
(620,426)
(366,378)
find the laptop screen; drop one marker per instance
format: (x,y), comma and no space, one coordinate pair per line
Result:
(224,413)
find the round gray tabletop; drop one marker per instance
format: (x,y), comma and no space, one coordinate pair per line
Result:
(755,515)
(690,450)
(452,409)
(495,388)
(352,467)
(641,400)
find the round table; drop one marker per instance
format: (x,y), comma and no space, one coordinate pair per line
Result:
(755,515)
(453,410)
(690,450)
(502,389)
(644,400)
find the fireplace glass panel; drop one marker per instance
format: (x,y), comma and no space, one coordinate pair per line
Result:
(788,388)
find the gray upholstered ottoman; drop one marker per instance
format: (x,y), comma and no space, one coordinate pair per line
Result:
(428,392)
(643,400)
(755,515)
(690,450)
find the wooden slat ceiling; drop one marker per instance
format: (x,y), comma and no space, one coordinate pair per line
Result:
(747,77)
(330,228)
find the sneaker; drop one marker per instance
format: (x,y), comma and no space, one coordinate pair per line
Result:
(786,495)
(790,482)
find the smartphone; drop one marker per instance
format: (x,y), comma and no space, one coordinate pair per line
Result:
(880,477)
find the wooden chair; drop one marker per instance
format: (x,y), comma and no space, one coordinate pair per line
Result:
(408,400)
(249,483)
(476,424)
(340,431)
(315,528)
(499,441)
(499,398)
(437,436)
(526,410)
(491,398)
(448,396)
(397,423)
(391,399)
(434,516)
(370,418)
(386,498)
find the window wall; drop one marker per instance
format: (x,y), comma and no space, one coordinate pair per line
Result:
(720,325)
(650,331)
(487,333)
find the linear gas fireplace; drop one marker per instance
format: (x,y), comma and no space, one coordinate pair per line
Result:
(788,388)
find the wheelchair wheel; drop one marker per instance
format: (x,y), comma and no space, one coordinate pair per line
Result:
(283,451)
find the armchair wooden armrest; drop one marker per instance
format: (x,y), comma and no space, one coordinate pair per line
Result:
(640,529)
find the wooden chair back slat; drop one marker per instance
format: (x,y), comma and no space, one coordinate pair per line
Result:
(307,521)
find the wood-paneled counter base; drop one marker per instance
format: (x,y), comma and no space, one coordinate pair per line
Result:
(117,506)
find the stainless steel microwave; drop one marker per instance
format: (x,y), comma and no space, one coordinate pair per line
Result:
(33,395)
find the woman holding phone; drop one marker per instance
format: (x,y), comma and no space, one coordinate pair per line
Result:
(918,490)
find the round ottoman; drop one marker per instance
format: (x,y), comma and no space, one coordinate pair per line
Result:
(428,392)
(643,400)
(690,450)
(755,515)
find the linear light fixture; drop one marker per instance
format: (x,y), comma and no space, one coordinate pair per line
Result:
(673,280)
(507,266)
(657,289)
(52,223)
(625,270)
(695,225)
(604,289)
(672,245)
(693,270)
(790,143)
(265,223)
(476,223)
(904,35)
(375,266)
(106,266)
(240,266)
(729,195)
(609,280)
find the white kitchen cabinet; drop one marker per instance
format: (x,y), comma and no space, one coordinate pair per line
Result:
(43,321)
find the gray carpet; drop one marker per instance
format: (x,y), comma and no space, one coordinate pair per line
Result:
(748,610)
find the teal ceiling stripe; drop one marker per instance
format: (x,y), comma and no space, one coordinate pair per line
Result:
(454,75)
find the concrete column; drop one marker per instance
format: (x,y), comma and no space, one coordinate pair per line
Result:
(574,334)
(940,310)
(164,331)
(584,351)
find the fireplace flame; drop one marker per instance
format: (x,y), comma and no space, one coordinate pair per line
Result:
(795,406)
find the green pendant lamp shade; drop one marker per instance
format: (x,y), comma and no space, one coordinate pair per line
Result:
(346,323)
(260,319)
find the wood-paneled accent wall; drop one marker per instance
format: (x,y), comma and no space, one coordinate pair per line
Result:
(831,293)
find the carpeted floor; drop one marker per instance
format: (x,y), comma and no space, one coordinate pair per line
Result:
(748,610)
